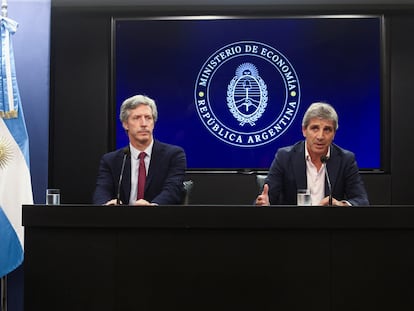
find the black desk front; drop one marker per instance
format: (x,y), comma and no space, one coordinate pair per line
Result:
(218,258)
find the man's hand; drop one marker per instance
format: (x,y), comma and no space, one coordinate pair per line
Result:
(335,202)
(112,202)
(263,198)
(142,202)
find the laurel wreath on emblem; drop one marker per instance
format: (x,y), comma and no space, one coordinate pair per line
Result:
(5,152)
(253,74)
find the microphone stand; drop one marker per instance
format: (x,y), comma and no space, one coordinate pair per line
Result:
(118,194)
(324,160)
(329,186)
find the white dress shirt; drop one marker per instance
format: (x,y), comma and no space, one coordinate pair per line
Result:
(134,169)
(315,178)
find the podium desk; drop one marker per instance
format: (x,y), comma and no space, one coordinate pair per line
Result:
(86,257)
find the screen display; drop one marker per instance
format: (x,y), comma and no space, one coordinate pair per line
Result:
(231,91)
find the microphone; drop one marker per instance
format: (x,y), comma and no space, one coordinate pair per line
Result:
(118,194)
(324,160)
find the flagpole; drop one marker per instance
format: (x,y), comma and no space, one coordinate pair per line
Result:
(4,293)
(3,287)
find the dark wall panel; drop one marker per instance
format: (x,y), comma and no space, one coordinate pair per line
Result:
(79,101)
(402,108)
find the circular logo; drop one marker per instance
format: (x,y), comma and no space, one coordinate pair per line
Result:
(247,94)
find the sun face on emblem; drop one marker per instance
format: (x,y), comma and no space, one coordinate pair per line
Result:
(5,152)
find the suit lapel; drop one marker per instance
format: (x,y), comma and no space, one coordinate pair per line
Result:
(126,179)
(299,166)
(332,166)
(156,155)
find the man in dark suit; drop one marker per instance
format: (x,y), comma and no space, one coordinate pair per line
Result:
(301,166)
(163,165)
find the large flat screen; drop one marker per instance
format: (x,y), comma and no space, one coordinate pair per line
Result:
(232,90)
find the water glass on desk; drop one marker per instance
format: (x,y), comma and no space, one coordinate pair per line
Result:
(52,196)
(304,197)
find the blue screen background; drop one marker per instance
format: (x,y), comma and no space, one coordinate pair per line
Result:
(337,60)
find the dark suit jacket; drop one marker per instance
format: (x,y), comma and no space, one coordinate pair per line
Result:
(164,183)
(288,173)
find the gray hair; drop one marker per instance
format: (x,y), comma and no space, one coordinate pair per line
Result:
(135,101)
(322,111)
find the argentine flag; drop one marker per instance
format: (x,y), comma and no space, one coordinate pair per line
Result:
(15,181)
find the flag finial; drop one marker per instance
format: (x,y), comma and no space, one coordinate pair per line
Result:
(4,8)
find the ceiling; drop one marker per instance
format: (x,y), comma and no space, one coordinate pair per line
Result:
(225,2)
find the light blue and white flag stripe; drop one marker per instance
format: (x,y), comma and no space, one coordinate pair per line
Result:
(15,180)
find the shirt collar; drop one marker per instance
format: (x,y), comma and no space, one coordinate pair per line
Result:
(135,152)
(307,156)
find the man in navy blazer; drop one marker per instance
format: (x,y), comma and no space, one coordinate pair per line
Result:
(307,164)
(165,164)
